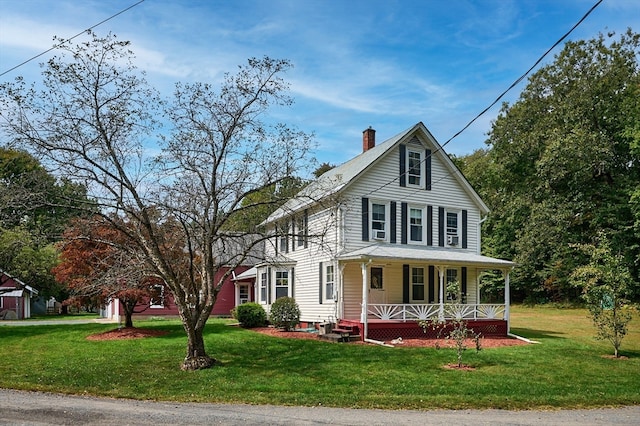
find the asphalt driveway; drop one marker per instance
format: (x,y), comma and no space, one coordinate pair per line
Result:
(39,408)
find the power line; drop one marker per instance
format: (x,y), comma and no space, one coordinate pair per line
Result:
(484,111)
(77,35)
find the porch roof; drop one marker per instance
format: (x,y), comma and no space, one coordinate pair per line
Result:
(248,274)
(402,253)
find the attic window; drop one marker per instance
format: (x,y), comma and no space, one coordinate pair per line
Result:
(415,167)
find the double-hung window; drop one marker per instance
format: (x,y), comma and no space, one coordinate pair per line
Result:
(243,293)
(415,225)
(282,284)
(378,221)
(300,231)
(453,286)
(415,168)
(157,296)
(263,287)
(417,284)
(452,228)
(329,283)
(284,238)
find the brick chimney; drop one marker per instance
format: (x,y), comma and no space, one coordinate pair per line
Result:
(368,139)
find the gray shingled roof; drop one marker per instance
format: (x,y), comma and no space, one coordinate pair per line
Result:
(426,255)
(339,177)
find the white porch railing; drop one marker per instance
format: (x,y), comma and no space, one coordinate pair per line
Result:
(412,312)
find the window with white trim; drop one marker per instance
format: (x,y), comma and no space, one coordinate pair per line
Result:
(284,238)
(375,281)
(157,296)
(282,284)
(415,224)
(452,289)
(300,231)
(417,284)
(329,284)
(378,221)
(414,172)
(243,293)
(452,229)
(264,280)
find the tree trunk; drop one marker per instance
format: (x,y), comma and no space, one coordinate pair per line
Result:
(197,358)
(128,320)
(128,306)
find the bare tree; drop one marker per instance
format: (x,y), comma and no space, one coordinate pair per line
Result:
(95,123)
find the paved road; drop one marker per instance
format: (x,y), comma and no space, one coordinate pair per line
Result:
(38,408)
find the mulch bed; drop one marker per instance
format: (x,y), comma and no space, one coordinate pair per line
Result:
(485,342)
(139,333)
(127,333)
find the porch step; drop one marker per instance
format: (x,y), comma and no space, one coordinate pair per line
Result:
(342,332)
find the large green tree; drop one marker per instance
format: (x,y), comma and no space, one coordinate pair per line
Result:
(562,164)
(34,211)
(95,122)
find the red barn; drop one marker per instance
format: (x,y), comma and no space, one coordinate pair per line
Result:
(15,297)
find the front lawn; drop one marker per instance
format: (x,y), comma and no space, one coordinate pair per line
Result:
(566,370)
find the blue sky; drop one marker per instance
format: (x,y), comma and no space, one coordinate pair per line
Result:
(382,63)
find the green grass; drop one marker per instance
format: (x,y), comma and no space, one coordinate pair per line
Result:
(567,370)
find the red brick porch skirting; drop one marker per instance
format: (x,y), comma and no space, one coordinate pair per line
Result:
(385,331)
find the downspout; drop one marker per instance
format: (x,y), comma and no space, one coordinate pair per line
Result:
(507,300)
(441,270)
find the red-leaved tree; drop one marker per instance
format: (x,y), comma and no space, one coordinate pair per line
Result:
(99,263)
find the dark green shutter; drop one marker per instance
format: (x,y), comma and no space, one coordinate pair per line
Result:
(464,229)
(320,298)
(441,222)
(392,223)
(306,228)
(463,284)
(403,165)
(269,286)
(427,169)
(429,225)
(432,284)
(405,283)
(365,219)
(403,223)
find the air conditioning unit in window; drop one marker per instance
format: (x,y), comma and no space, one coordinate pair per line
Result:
(452,240)
(378,235)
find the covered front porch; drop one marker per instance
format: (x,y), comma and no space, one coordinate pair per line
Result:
(388,290)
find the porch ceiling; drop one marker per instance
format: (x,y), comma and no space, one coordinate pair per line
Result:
(402,253)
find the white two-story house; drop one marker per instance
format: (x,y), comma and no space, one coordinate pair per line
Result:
(382,241)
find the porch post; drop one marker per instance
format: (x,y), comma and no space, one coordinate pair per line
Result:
(441,295)
(507,300)
(365,301)
(340,301)
(365,293)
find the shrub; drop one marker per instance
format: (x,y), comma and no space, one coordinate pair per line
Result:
(285,313)
(251,315)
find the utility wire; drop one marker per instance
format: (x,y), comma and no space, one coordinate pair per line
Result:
(484,111)
(55,46)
